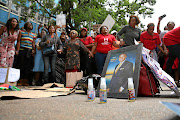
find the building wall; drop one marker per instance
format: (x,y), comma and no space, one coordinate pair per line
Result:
(13,16)
(9,10)
(4,16)
(21,24)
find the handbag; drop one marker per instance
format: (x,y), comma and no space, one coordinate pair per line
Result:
(72,78)
(147,84)
(48,50)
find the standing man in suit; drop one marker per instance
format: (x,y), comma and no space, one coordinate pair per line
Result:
(122,72)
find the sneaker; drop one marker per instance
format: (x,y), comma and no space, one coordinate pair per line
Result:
(177,83)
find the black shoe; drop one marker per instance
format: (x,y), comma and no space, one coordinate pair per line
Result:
(177,83)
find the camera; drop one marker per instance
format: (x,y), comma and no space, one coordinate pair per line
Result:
(162,16)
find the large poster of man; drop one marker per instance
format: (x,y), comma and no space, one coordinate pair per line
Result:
(120,65)
(122,71)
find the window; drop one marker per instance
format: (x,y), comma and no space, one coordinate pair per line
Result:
(46,20)
(4,2)
(40,18)
(23,11)
(14,8)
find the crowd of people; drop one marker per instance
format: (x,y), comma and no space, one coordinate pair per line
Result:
(45,57)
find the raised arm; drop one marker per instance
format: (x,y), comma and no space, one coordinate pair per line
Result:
(158,26)
(39,29)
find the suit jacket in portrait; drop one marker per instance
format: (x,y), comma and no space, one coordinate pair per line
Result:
(120,78)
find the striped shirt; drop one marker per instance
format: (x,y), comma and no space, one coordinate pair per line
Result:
(27,39)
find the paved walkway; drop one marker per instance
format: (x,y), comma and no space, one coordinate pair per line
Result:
(76,107)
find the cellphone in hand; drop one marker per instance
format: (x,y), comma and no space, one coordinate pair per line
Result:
(162,16)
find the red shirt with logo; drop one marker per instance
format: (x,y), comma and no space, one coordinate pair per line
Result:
(172,37)
(150,41)
(104,43)
(88,40)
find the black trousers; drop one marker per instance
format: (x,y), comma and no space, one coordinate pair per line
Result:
(25,62)
(87,65)
(174,52)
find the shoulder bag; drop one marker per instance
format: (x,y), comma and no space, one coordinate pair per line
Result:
(49,50)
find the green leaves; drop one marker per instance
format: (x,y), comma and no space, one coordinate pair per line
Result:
(88,11)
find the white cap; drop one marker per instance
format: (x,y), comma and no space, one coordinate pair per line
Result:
(130,83)
(114,31)
(90,83)
(103,83)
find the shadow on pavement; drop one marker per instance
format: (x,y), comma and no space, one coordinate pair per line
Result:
(175,118)
(11,98)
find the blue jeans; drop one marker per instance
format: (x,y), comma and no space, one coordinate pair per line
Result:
(100,60)
(52,61)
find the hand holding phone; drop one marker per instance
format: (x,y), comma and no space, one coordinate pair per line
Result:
(162,16)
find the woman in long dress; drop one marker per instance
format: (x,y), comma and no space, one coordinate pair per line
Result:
(38,60)
(9,34)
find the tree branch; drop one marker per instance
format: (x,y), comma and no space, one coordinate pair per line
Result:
(45,9)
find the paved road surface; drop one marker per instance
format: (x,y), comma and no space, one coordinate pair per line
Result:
(76,107)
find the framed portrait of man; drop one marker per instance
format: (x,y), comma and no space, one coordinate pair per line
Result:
(120,65)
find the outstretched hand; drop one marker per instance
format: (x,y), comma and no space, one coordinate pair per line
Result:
(17,52)
(91,54)
(166,52)
(39,26)
(59,51)
(122,43)
(48,41)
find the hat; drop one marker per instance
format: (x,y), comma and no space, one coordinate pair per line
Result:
(114,31)
(84,29)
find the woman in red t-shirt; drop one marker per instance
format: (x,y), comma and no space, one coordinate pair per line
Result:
(151,40)
(87,40)
(87,64)
(103,44)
